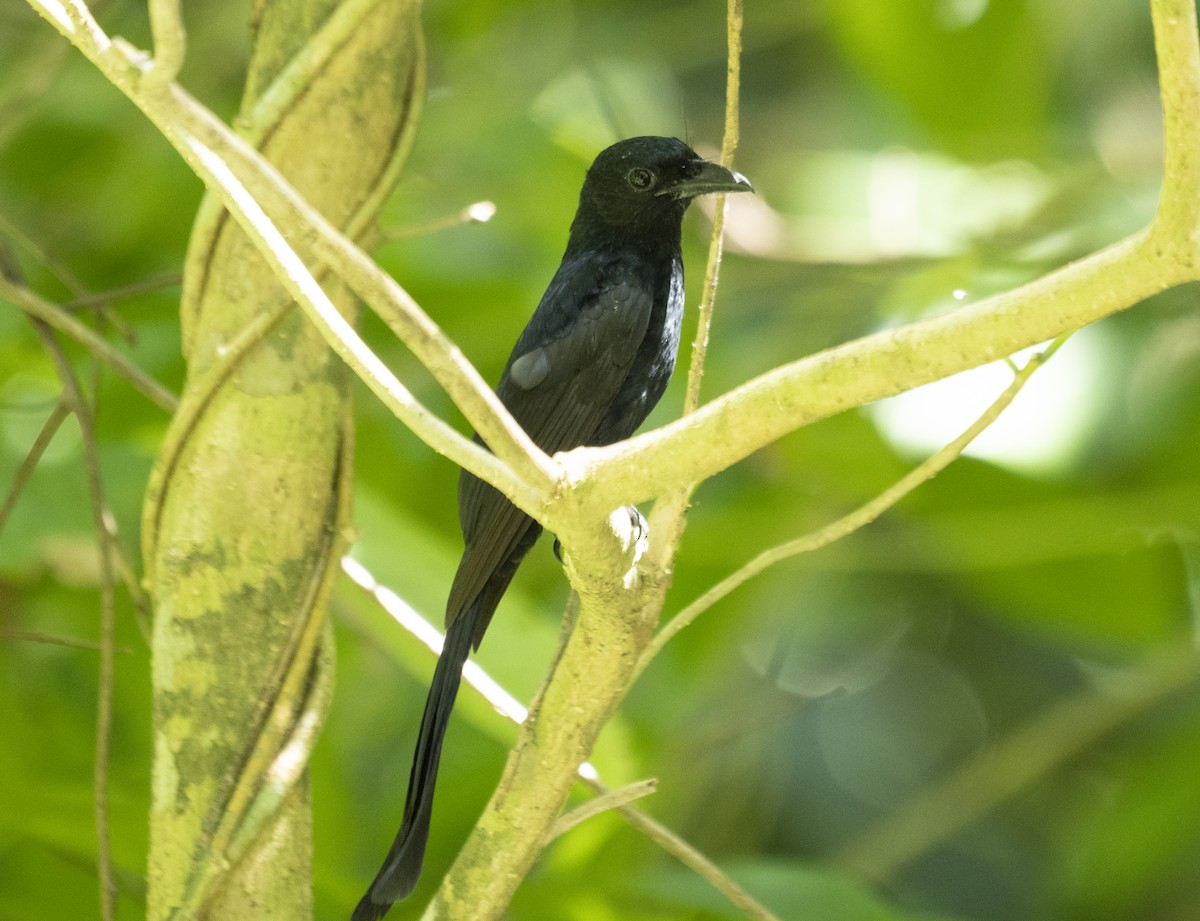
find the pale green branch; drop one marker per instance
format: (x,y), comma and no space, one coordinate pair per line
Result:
(605,802)
(170,42)
(29,463)
(668,520)
(1175,229)
(733,83)
(1165,254)
(519,467)
(797,394)
(693,859)
(341,336)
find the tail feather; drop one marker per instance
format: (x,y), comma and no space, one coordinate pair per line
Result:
(401,868)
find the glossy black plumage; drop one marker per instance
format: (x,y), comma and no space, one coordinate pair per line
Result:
(592,362)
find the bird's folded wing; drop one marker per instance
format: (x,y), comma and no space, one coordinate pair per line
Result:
(559,396)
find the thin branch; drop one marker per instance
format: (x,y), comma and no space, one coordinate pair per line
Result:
(10,273)
(860,517)
(479,212)
(748,418)
(60,272)
(188,124)
(532,472)
(74,398)
(733,82)
(691,858)
(52,639)
(338,332)
(170,42)
(29,463)
(64,322)
(605,802)
(133,289)
(205,142)
(1179,86)
(668,521)
(74,19)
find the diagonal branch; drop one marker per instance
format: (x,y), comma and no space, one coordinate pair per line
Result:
(1165,254)
(523,470)
(860,517)
(797,394)
(764,409)
(54,315)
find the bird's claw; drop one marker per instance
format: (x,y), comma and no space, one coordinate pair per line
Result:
(639,530)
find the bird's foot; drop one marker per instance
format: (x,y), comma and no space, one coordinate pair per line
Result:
(639,531)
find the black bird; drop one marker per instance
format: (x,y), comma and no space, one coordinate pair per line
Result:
(592,363)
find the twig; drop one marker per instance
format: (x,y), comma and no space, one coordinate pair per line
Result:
(226,163)
(53,315)
(170,42)
(860,517)
(668,520)
(479,212)
(339,334)
(605,802)
(729,142)
(691,858)
(1179,85)
(10,274)
(30,462)
(144,286)
(59,271)
(75,400)
(52,639)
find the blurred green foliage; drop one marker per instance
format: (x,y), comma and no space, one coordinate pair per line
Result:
(907,156)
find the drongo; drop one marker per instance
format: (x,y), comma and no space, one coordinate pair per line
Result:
(592,363)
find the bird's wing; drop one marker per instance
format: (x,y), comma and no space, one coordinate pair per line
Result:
(559,384)
(560,388)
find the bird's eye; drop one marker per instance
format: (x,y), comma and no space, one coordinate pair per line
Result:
(640,179)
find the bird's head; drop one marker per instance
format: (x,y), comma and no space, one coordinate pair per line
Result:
(646,183)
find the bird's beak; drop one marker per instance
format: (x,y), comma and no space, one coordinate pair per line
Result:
(708,178)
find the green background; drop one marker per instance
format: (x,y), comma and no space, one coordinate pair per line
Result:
(901,152)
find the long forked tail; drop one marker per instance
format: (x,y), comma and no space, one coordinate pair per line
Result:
(401,868)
